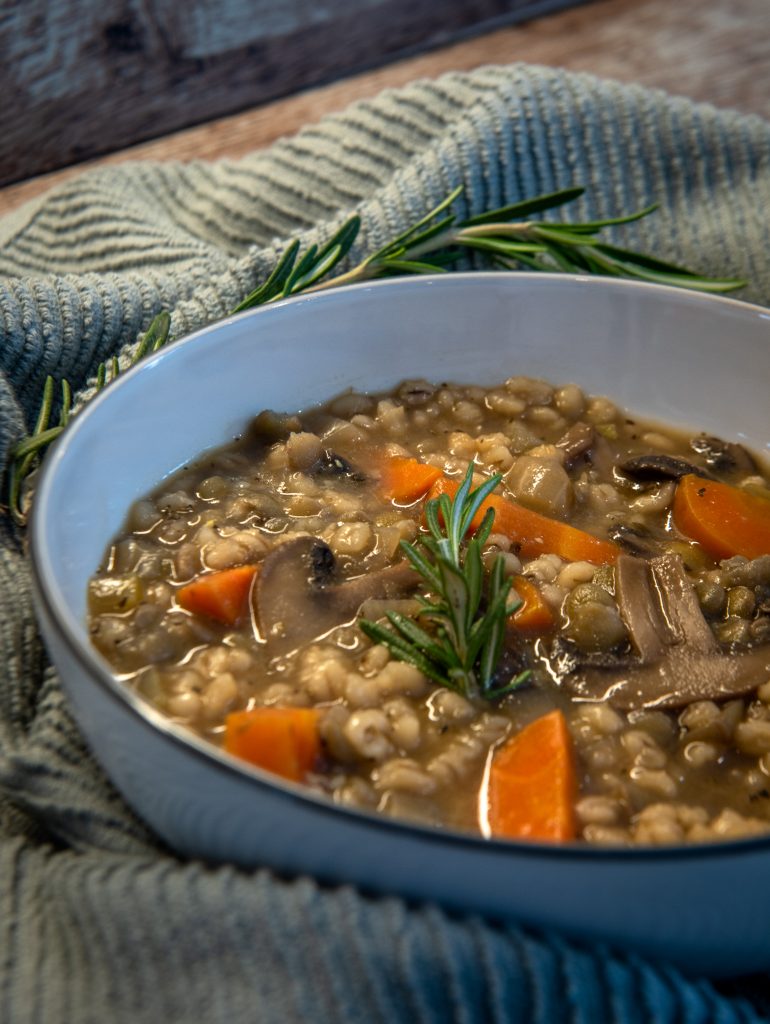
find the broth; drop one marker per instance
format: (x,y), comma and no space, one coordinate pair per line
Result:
(677,751)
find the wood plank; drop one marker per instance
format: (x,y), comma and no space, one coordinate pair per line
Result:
(716,51)
(99,76)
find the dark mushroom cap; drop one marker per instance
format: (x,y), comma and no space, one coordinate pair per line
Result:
(298,596)
(577,442)
(657,467)
(723,456)
(330,464)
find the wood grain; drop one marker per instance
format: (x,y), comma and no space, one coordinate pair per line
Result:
(712,50)
(100,76)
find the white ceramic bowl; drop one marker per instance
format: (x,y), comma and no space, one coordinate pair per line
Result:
(663,353)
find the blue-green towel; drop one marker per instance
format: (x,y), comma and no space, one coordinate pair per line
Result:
(98,923)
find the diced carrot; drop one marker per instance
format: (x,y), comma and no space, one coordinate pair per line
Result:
(533,613)
(533,534)
(219,595)
(405,480)
(532,783)
(284,741)
(725,520)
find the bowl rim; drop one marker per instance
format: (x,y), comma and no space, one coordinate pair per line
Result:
(70,631)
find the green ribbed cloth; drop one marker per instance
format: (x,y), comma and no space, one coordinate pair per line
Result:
(98,922)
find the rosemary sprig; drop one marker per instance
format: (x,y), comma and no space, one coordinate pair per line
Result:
(463,648)
(26,455)
(507,237)
(511,240)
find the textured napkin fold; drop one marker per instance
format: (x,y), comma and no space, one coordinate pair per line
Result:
(97,921)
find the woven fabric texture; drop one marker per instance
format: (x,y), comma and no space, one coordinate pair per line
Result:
(97,921)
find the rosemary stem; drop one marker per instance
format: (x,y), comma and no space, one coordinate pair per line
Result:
(35,442)
(522,229)
(440,241)
(369,269)
(361,272)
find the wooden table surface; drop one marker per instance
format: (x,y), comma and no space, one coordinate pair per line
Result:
(717,51)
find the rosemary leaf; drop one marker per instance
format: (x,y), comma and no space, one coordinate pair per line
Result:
(430,233)
(640,259)
(413,232)
(342,240)
(565,258)
(454,591)
(511,262)
(401,650)
(680,277)
(320,267)
(501,246)
(423,567)
(474,579)
(592,226)
(528,206)
(485,526)
(36,442)
(301,269)
(44,413)
(474,503)
(275,282)
(413,633)
(413,267)
(497,693)
(560,234)
(66,404)
(155,337)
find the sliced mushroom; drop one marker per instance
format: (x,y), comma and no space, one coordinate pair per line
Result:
(660,467)
(636,540)
(562,657)
(576,442)
(678,660)
(723,456)
(681,606)
(416,392)
(330,464)
(682,677)
(643,615)
(298,596)
(602,457)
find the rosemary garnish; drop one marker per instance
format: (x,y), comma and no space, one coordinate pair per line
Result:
(26,455)
(464,647)
(507,237)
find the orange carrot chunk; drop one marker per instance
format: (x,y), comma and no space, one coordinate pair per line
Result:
(284,741)
(533,613)
(533,534)
(405,480)
(532,783)
(725,520)
(220,595)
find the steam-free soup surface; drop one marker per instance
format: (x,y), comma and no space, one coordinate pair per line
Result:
(240,583)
